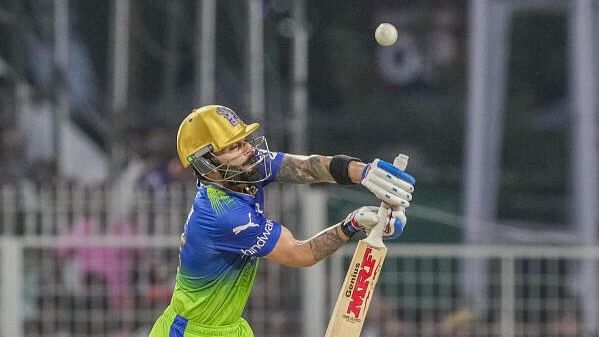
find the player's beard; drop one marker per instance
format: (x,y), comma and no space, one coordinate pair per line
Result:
(248,173)
(251,172)
(255,169)
(246,181)
(250,176)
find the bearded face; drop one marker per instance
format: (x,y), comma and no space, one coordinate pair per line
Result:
(246,172)
(244,162)
(253,175)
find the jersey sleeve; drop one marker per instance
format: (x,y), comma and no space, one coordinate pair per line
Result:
(276,158)
(244,231)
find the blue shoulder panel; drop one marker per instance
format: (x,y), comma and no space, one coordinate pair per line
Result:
(275,163)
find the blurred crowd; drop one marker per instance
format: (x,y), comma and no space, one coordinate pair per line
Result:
(76,295)
(81,287)
(389,319)
(89,288)
(153,159)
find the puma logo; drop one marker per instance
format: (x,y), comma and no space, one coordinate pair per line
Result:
(241,228)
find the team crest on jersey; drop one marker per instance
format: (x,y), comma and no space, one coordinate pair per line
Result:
(229,115)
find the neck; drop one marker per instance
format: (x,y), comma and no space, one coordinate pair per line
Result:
(244,188)
(237,187)
(240,187)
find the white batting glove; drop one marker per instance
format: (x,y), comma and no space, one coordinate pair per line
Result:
(360,220)
(396,222)
(366,217)
(388,183)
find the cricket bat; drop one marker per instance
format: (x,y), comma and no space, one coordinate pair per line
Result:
(356,293)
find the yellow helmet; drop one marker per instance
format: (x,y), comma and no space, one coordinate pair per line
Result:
(207,129)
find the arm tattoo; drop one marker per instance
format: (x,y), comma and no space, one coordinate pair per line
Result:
(305,169)
(325,243)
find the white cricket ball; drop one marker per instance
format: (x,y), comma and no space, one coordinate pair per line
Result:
(385,34)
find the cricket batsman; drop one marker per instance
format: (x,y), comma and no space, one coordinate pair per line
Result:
(227,231)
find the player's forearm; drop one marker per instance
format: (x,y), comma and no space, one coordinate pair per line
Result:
(314,169)
(324,243)
(305,169)
(304,253)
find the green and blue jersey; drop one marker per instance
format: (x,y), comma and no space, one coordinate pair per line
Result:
(224,235)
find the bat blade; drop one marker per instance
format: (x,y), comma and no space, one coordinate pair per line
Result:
(356,293)
(362,275)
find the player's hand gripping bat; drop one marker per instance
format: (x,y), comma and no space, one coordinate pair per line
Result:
(356,293)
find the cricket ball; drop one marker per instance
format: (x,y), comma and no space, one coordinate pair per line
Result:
(385,34)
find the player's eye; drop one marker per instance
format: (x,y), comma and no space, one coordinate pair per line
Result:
(228,149)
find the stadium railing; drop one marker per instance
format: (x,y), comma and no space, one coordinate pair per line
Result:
(88,262)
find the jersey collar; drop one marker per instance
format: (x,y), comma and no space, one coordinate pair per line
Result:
(246,196)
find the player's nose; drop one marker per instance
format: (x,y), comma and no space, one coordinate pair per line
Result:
(248,149)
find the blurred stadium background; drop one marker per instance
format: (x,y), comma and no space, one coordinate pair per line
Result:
(494,100)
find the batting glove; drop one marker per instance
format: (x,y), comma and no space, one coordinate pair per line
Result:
(366,217)
(396,220)
(388,183)
(360,220)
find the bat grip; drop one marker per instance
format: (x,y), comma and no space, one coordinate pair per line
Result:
(375,237)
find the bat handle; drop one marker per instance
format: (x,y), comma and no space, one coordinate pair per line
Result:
(375,238)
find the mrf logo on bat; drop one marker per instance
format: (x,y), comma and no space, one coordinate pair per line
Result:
(358,288)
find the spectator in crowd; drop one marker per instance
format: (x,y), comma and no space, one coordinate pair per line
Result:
(385,320)
(460,323)
(566,323)
(101,276)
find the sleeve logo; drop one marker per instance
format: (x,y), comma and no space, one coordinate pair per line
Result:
(261,240)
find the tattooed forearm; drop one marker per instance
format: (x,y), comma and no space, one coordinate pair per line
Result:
(325,243)
(305,169)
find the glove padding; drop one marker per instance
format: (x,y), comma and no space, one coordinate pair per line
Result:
(396,221)
(388,183)
(366,217)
